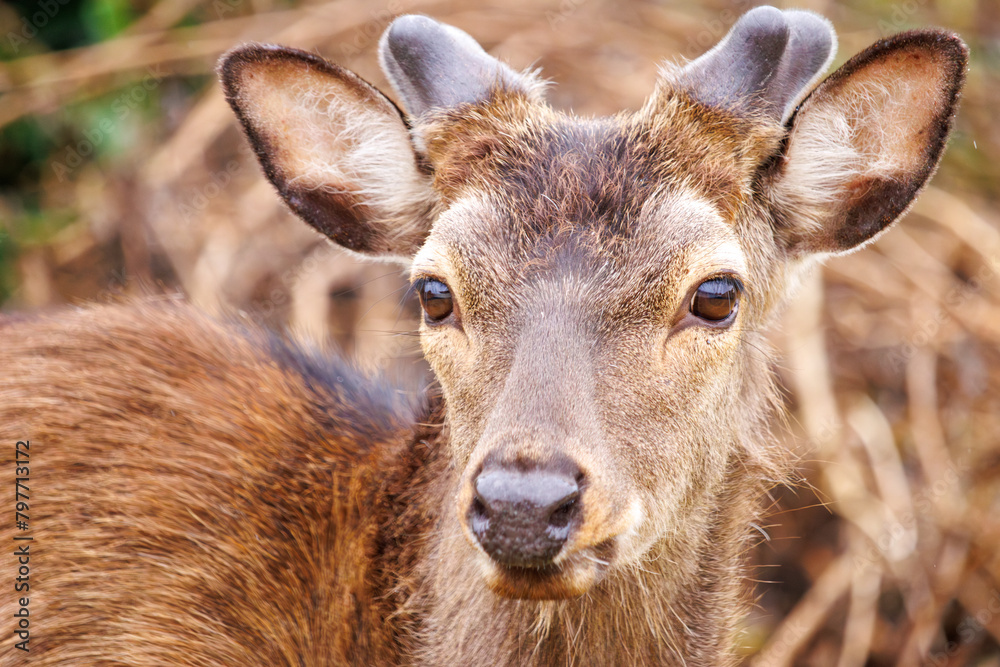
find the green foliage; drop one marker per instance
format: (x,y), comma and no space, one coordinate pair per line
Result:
(8,276)
(105,18)
(24,145)
(37,228)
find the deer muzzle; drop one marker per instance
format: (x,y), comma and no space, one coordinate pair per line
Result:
(523,518)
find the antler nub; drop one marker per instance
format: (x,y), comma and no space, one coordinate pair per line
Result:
(765,64)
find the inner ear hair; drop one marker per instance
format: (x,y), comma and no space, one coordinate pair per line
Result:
(335,148)
(866,140)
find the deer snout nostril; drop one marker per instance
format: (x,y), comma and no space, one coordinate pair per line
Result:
(563,513)
(479,517)
(523,518)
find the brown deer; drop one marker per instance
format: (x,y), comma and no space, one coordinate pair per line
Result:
(580,488)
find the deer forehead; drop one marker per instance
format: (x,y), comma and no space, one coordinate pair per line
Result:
(555,166)
(495,260)
(638,205)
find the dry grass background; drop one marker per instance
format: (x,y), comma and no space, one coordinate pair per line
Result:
(122,172)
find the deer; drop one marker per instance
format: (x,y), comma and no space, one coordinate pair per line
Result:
(578,483)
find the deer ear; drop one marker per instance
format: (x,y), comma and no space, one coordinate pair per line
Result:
(866,140)
(336,149)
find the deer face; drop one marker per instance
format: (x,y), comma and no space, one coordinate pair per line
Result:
(593,289)
(589,324)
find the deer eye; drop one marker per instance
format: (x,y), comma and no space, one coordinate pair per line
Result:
(435,298)
(717,299)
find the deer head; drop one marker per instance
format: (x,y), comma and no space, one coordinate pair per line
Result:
(594,288)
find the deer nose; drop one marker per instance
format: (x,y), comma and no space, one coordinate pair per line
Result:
(523,518)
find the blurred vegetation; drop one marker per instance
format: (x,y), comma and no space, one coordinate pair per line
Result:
(122,172)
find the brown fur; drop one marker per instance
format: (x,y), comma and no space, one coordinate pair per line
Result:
(672,139)
(183,516)
(180,514)
(208,494)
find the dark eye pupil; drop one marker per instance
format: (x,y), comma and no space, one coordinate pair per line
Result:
(716,299)
(435,297)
